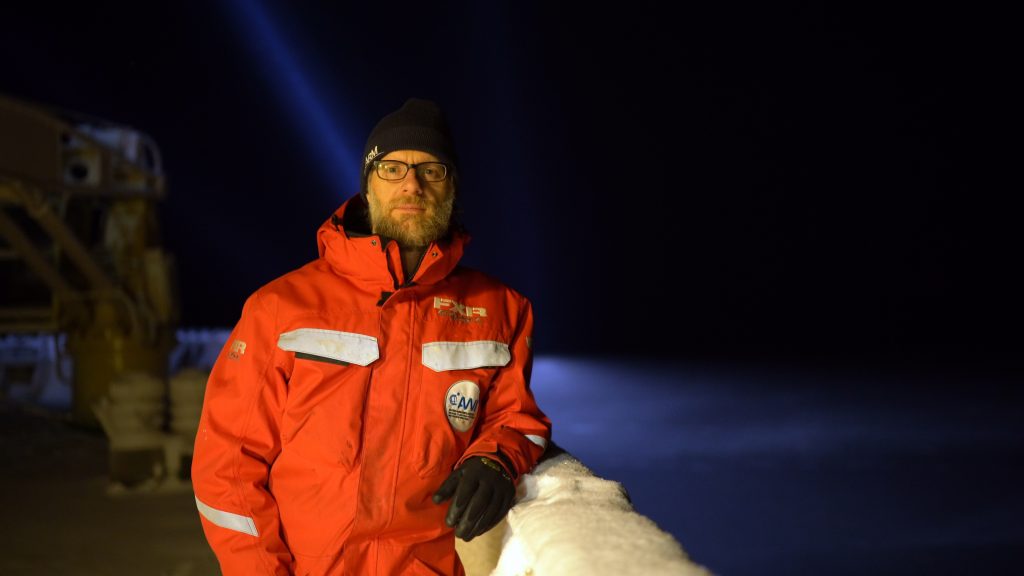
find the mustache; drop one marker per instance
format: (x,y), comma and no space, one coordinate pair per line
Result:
(410,201)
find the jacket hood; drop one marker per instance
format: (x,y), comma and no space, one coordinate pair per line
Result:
(345,241)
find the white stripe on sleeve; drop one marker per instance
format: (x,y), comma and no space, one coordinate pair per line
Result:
(228,520)
(538,440)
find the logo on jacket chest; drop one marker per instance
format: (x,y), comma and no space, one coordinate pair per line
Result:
(461,402)
(458,311)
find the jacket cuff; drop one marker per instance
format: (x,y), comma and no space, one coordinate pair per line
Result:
(519,451)
(489,449)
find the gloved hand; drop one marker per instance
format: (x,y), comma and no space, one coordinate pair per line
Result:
(483,495)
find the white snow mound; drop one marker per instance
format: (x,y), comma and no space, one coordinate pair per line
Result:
(569,521)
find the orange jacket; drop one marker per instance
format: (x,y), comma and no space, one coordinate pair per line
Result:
(345,396)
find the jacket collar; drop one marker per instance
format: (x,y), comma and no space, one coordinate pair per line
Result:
(344,240)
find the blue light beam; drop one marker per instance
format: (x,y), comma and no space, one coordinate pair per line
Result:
(332,154)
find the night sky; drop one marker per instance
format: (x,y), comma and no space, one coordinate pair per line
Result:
(715,182)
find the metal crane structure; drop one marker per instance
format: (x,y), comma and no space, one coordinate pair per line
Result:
(80,249)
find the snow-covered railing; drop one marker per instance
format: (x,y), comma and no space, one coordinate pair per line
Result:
(565,521)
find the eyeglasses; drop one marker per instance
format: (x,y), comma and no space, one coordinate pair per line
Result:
(396,170)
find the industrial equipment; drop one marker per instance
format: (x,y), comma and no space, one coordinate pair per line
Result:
(80,248)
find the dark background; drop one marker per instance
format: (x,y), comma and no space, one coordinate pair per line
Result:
(795,182)
(698,186)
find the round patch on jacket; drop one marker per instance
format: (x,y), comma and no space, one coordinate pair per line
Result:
(461,403)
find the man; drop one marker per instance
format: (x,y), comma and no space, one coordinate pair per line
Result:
(376,400)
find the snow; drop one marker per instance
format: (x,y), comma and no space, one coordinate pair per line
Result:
(568,521)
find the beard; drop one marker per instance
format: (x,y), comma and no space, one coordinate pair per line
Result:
(411,230)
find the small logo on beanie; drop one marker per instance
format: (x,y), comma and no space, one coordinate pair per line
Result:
(373,154)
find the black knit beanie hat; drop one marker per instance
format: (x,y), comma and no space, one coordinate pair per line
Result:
(418,125)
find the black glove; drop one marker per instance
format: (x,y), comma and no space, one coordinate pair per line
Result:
(483,494)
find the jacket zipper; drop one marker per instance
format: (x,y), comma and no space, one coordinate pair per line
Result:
(384,295)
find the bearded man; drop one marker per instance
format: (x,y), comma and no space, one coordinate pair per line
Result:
(375,403)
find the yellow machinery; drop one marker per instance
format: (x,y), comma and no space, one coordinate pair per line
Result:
(80,251)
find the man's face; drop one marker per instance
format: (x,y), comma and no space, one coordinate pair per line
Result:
(412,211)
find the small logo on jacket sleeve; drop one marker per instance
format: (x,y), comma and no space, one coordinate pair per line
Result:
(237,350)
